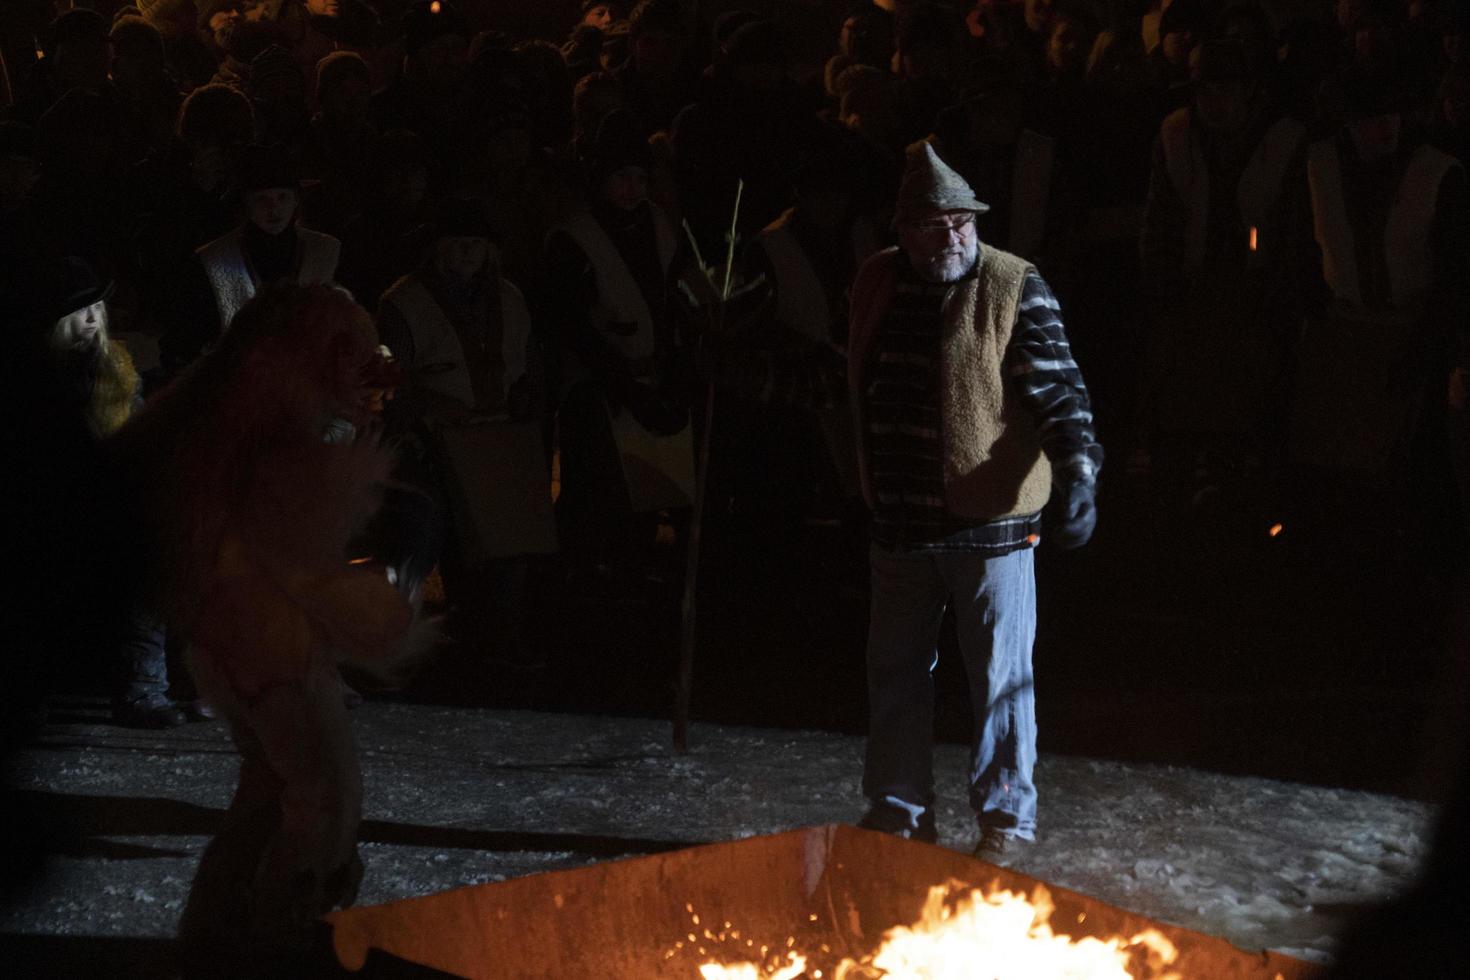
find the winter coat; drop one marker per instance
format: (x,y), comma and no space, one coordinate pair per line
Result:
(438,361)
(234,282)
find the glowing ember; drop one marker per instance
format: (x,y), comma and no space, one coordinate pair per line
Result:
(794,966)
(1253,238)
(1002,933)
(1275,530)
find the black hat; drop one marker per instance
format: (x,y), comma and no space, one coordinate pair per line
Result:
(58,287)
(429,20)
(619,144)
(462,217)
(267,168)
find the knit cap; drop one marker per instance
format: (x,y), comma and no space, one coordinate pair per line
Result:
(337,67)
(275,62)
(930,184)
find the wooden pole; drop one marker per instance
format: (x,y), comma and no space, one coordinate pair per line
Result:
(688,605)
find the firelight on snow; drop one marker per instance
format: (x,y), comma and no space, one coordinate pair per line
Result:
(1001,932)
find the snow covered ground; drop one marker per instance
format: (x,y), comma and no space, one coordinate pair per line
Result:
(458,796)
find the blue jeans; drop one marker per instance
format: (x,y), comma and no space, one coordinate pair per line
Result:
(140,670)
(995,615)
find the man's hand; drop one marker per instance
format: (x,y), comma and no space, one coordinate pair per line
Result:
(1076,514)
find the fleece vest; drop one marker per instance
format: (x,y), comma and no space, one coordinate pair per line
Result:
(993,463)
(1257,195)
(436,343)
(1406,238)
(801,300)
(234,282)
(619,300)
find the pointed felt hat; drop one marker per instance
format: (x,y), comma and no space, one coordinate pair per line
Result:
(930,184)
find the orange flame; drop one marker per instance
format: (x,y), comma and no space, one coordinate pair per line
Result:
(1253,238)
(1004,930)
(1275,530)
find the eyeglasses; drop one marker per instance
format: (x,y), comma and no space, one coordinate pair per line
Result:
(936,226)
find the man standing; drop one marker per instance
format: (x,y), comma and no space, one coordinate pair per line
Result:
(970,415)
(470,410)
(1385,266)
(91,376)
(623,420)
(1213,247)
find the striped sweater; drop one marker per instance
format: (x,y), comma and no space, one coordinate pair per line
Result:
(902,414)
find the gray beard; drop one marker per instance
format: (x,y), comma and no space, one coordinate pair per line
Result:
(949,268)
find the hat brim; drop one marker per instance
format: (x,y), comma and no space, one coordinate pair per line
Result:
(84,298)
(972,204)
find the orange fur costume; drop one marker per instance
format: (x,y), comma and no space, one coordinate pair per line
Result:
(250,511)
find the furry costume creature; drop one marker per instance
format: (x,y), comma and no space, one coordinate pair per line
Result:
(251,511)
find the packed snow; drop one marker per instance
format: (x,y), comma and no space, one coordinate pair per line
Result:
(459,796)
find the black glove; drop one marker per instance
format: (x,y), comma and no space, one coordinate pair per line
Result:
(1075,515)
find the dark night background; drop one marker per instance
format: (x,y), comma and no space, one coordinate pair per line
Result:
(1251,617)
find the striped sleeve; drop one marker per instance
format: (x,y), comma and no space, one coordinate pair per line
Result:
(1049,384)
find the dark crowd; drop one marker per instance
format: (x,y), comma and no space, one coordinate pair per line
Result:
(600,245)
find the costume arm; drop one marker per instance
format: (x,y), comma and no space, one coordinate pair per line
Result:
(394,333)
